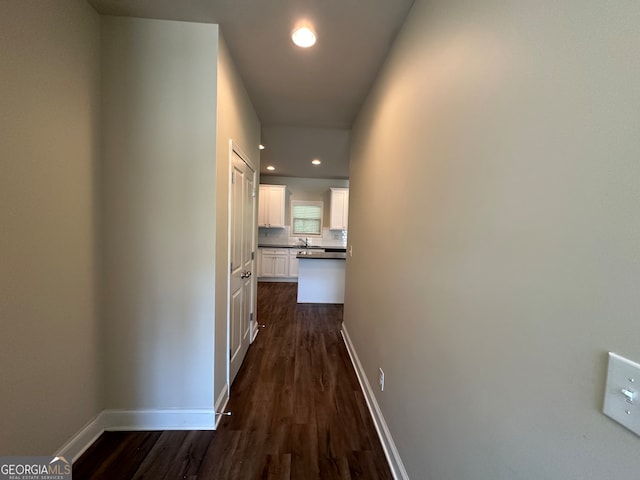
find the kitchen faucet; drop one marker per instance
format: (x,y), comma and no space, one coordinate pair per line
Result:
(305,241)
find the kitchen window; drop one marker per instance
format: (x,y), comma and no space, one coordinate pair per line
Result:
(306,217)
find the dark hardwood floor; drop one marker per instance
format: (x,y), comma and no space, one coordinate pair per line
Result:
(298,412)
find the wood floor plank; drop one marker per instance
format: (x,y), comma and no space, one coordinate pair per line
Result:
(158,461)
(115,455)
(220,456)
(297,412)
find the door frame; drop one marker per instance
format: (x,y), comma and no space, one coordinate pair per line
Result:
(234,148)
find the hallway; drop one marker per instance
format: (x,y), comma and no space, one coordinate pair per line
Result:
(298,412)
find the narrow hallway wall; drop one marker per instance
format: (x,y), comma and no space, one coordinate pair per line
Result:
(159,173)
(496,237)
(50,355)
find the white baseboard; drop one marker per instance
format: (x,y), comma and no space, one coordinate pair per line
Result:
(169,419)
(388,445)
(221,403)
(137,420)
(82,440)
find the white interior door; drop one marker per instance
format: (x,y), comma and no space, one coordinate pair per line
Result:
(242,262)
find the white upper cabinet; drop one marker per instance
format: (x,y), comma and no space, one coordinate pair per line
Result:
(271,206)
(339,209)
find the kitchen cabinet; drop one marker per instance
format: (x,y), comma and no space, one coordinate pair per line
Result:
(339,218)
(273,262)
(321,280)
(271,201)
(293,262)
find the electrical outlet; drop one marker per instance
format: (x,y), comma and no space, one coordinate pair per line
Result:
(381,380)
(351,250)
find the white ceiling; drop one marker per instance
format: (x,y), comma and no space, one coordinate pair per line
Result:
(318,90)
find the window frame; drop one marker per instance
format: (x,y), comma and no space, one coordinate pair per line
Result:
(314,203)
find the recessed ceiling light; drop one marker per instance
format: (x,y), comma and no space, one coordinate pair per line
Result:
(261,147)
(316,162)
(271,168)
(303,37)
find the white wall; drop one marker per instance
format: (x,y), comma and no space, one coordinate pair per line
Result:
(237,121)
(49,331)
(159,173)
(494,176)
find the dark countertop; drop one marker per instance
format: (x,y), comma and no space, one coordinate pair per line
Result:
(302,247)
(286,245)
(322,255)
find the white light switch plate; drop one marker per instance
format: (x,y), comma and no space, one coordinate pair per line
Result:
(622,392)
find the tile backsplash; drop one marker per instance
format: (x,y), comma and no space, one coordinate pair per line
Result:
(330,238)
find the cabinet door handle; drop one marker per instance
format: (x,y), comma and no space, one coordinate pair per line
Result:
(246,274)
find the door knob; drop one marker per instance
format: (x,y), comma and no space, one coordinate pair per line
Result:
(246,274)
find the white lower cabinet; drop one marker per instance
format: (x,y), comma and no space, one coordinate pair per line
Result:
(293,262)
(273,262)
